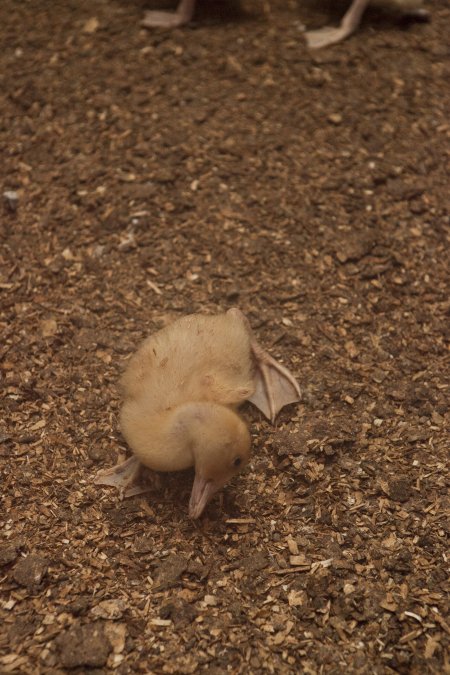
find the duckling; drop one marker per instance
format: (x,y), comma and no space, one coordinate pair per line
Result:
(181,392)
(352,18)
(182,15)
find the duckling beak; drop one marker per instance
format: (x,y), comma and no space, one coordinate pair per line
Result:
(202,491)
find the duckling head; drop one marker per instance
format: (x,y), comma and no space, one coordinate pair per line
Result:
(221,448)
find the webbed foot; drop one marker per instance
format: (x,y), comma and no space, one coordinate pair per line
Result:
(182,15)
(162,20)
(123,476)
(275,384)
(322,37)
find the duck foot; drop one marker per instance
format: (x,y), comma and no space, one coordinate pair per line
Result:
(123,476)
(322,37)
(275,385)
(316,39)
(182,15)
(329,35)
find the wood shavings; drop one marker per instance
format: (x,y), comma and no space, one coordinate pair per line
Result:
(138,192)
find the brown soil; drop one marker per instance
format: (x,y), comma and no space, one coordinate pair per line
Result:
(159,174)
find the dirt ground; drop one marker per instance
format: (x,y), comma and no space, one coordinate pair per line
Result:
(155,174)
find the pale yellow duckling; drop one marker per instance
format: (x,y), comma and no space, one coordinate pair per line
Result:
(352,18)
(181,391)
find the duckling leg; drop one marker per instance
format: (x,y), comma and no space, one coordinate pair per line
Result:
(329,35)
(275,385)
(182,15)
(122,476)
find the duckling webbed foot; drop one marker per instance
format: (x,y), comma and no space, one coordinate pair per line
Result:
(275,385)
(182,15)
(123,476)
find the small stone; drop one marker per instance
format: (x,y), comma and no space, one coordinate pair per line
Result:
(351,349)
(286,443)
(197,569)
(144,544)
(116,633)
(127,241)
(30,571)
(8,554)
(91,25)
(335,118)
(210,600)
(169,571)
(317,77)
(297,598)
(388,603)
(180,612)
(342,256)
(399,490)
(49,327)
(96,453)
(79,606)
(68,255)
(401,562)
(109,609)
(255,562)
(83,646)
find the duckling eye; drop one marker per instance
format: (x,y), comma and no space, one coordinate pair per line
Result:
(237,461)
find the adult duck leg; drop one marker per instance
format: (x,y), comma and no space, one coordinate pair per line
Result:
(182,15)
(329,35)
